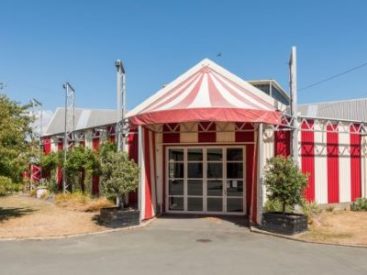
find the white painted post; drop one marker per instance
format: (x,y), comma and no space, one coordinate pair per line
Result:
(293,94)
(260,174)
(141,162)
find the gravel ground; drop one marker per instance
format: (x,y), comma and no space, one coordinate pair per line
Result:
(26,217)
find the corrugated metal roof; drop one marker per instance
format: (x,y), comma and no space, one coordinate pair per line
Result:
(354,109)
(84,119)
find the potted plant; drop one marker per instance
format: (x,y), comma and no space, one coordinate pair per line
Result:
(285,184)
(119,176)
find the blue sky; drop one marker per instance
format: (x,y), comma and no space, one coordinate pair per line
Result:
(44,43)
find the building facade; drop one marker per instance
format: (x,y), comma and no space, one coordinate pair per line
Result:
(203,140)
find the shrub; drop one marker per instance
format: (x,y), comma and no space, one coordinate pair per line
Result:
(285,182)
(49,162)
(7,186)
(359,205)
(310,209)
(119,175)
(276,206)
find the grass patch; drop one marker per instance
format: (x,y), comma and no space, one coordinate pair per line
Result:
(80,202)
(325,236)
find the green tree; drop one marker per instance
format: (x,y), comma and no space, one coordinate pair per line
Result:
(119,176)
(79,162)
(284,182)
(14,131)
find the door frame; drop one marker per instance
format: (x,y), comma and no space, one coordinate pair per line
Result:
(204,196)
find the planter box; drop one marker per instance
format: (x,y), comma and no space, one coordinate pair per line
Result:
(287,223)
(119,217)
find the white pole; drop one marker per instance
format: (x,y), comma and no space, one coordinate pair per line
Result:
(141,162)
(293,94)
(66,87)
(120,97)
(260,178)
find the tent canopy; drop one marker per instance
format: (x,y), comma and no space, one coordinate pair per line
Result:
(207,92)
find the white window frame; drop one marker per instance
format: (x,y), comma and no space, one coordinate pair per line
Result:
(204,196)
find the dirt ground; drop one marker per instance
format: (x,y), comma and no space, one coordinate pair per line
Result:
(341,227)
(24,217)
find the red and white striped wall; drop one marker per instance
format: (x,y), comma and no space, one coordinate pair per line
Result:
(331,156)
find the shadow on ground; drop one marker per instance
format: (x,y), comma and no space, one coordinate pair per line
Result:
(14,212)
(241,221)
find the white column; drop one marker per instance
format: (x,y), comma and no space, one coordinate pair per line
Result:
(141,162)
(159,170)
(260,174)
(152,172)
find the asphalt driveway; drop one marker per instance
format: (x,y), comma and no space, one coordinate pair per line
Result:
(180,246)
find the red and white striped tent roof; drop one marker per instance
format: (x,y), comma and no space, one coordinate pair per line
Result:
(206,92)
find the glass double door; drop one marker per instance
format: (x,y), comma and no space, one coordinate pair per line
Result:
(205,179)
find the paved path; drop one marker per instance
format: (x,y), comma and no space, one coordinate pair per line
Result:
(179,246)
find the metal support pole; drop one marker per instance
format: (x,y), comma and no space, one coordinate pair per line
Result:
(121,86)
(64,182)
(69,126)
(293,93)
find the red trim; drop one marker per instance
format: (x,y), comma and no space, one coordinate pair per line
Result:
(154,180)
(148,183)
(59,174)
(207,114)
(35,172)
(95,185)
(282,142)
(168,135)
(244,136)
(46,145)
(111,134)
(95,144)
(132,141)
(60,145)
(355,165)
(332,147)
(203,135)
(308,159)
